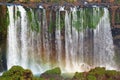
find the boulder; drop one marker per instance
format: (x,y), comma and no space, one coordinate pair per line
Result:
(98,74)
(17,73)
(53,74)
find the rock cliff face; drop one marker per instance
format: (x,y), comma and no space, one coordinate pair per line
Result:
(3,24)
(99,1)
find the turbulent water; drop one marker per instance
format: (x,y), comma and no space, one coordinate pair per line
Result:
(55,38)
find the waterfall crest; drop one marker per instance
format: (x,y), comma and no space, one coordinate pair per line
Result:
(74,40)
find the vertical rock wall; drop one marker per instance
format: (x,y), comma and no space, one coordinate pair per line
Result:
(3,34)
(3,24)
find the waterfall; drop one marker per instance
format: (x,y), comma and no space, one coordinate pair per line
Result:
(103,43)
(23,35)
(13,46)
(74,40)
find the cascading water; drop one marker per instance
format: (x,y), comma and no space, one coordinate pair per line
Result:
(64,39)
(13,46)
(103,43)
(23,39)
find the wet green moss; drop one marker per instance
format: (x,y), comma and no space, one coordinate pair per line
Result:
(62,20)
(17,73)
(91,77)
(54,71)
(53,74)
(33,19)
(79,76)
(97,70)
(98,74)
(52,24)
(18,13)
(88,18)
(13,71)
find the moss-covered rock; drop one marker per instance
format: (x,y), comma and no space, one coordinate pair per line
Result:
(17,73)
(53,74)
(54,71)
(98,74)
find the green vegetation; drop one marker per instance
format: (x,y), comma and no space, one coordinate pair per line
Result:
(88,17)
(60,20)
(79,76)
(54,71)
(91,77)
(18,14)
(18,73)
(98,74)
(117,16)
(33,19)
(51,23)
(53,74)
(85,18)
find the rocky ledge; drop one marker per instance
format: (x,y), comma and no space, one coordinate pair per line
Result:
(18,73)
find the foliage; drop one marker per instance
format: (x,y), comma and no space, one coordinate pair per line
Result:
(79,76)
(54,71)
(97,70)
(53,74)
(17,73)
(117,16)
(51,24)
(33,20)
(62,20)
(88,17)
(91,77)
(18,13)
(98,74)
(13,71)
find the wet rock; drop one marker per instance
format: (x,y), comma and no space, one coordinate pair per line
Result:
(3,65)
(17,73)
(98,74)
(54,74)
(27,75)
